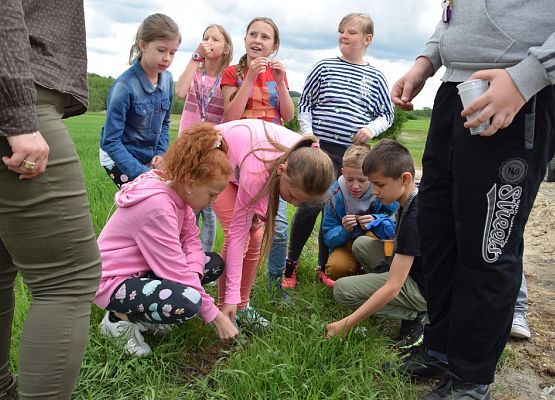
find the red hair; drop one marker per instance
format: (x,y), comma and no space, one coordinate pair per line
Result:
(199,153)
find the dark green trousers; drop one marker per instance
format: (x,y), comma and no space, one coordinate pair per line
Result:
(46,235)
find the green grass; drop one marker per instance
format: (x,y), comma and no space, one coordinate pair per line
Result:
(413,135)
(290,361)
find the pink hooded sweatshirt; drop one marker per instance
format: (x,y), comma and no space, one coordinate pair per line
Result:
(152,230)
(250,175)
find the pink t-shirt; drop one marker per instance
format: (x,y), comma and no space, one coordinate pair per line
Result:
(212,100)
(263,100)
(250,175)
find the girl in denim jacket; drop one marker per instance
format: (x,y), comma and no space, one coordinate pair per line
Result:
(135,134)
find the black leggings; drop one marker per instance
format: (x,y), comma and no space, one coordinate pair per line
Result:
(161,301)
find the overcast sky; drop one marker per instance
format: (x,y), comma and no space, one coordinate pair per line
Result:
(308,32)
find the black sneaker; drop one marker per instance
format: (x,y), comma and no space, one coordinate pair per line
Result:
(453,388)
(411,334)
(420,364)
(10,391)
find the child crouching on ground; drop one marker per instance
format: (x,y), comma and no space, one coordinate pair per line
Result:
(353,211)
(399,292)
(153,266)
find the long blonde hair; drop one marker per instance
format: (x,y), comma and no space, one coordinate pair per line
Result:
(154,27)
(308,169)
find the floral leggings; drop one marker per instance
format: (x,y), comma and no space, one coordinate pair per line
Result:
(161,301)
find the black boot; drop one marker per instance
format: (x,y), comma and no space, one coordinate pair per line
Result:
(10,392)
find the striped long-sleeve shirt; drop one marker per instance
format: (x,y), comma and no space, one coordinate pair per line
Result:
(339,98)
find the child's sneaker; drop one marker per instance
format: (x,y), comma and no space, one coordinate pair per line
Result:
(289,279)
(321,275)
(451,388)
(10,391)
(249,318)
(520,328)
(411,334)
(126,331)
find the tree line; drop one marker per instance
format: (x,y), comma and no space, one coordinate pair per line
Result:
(100,85)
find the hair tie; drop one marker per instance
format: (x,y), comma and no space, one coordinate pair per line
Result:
(315,145)
(218,143)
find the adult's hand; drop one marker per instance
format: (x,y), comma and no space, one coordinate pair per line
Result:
(410,84)
(29,154)
(501,102)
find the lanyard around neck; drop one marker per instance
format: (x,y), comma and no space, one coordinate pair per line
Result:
(201,94)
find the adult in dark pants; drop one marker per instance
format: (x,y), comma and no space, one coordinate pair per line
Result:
(46,232)
(477,191)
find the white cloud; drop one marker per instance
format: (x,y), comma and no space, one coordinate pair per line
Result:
(308,31)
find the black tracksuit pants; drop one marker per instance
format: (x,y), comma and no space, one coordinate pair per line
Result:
(476,195)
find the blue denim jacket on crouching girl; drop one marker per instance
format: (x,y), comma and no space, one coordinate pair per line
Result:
(137,120)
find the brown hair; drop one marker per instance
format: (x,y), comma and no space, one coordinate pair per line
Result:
(154,27)
(226,58)
(390,158)
(199,154)
(242,65)
(366,22)
(308,168)
(355,154)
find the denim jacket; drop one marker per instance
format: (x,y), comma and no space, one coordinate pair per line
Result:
(137,120)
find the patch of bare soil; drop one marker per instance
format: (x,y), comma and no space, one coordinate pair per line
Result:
(529,372)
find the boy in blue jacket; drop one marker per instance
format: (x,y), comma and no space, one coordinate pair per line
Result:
(352,211)
(398,293)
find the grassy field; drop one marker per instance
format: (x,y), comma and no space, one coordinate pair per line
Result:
(292,360)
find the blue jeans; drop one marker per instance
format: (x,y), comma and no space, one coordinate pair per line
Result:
(208,230)
(278,251)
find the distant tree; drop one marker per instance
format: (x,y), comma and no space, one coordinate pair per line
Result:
(98,91)
(177,105)
(395,129)
(294,124)
(292,93)
(423,113)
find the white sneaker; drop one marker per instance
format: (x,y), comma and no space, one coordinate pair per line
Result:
(520,328)
(127,332)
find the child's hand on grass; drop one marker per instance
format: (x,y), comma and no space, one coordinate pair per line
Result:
(340,327)
(225,328)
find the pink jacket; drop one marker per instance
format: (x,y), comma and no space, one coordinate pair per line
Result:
(152,230)
(251,174)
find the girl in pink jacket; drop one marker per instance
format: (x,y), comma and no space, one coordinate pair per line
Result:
(153,266)
(268,160)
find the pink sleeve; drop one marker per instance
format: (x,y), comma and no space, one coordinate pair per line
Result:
(175,253)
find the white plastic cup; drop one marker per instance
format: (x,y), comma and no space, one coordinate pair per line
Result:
(470,91)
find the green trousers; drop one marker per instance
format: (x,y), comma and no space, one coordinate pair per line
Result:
(353,291)
(46,235)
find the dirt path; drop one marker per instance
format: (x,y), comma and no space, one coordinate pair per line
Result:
(529,372)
